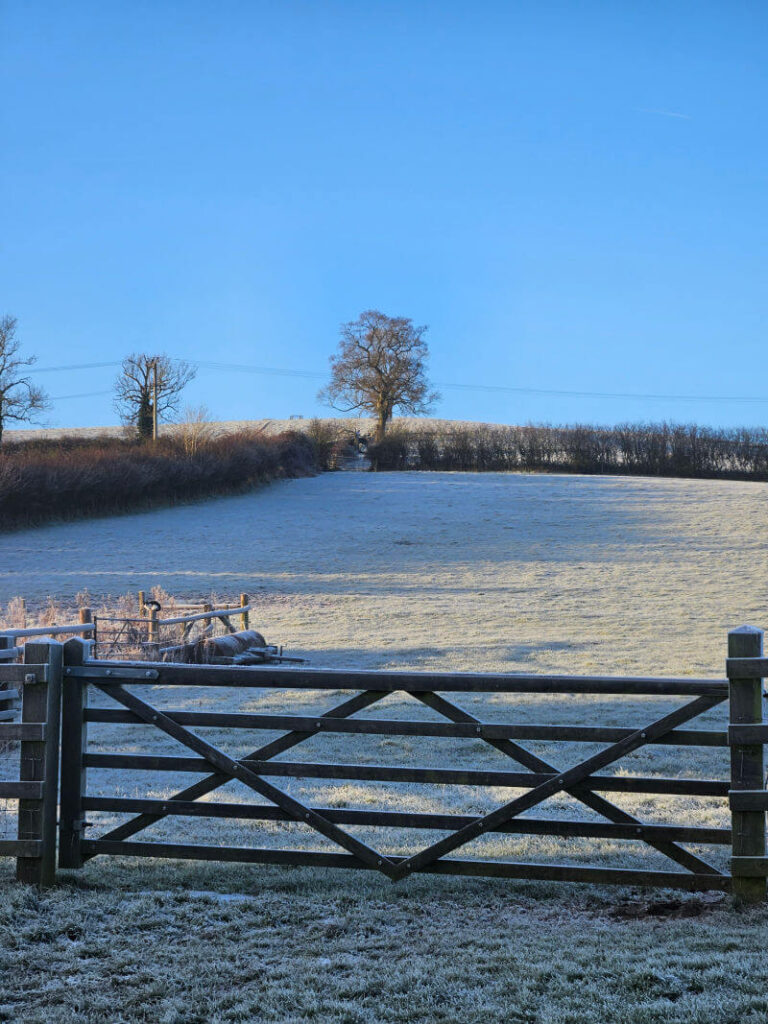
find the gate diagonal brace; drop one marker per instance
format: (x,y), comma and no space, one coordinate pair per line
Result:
(594,801)
(236,770)
(265,753)
(565,781)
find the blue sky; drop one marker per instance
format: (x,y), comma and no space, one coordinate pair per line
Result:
(571,195)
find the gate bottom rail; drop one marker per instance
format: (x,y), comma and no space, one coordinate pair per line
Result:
(477,868)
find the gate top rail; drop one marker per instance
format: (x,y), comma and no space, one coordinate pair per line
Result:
(278,677)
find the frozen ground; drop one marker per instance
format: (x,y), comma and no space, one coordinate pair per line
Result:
(502,572)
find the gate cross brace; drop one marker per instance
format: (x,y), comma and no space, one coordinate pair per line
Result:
(594,801)
(264,753)
(562,782)
(236,770)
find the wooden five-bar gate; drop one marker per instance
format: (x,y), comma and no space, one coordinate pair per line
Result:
(55,681)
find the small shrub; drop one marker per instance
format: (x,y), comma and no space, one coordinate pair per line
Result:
(324,437)
(391,453)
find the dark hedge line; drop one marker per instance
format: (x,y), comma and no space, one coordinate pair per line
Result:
(73,478)
(631,449)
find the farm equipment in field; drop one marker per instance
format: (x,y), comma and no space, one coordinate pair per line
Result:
(194,638)
(191,638)
(244,648)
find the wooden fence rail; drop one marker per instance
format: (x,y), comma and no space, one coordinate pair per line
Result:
(126,692)
(73,628)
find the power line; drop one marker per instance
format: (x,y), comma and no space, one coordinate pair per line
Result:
(602,394)
(266,370)
(493,388)
(274,371)
(85,394)
(74,366)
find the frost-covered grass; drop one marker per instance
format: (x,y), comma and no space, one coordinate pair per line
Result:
(498,572)
(295,946)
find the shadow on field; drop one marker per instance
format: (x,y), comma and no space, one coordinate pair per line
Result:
(393,524)
(437,659)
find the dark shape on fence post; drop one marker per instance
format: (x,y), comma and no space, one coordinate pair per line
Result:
(41,702)
(747,766)
(73,745)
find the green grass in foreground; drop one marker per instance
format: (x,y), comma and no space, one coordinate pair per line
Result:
(152,942)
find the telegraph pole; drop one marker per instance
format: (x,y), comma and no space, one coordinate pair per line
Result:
(154,400)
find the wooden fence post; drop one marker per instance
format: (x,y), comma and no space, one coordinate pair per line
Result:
(208,629)
(142,603)
(6,644)
(39,762)
(85,616)
(153,634)
(74,739)
(747,764)
(244,615)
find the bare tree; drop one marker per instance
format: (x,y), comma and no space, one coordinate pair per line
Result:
(134,388)
(195,428)
(20,399)
(380,366)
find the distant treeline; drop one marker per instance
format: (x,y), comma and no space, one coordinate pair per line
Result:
(68,478)
(657,449)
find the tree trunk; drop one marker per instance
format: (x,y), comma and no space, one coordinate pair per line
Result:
(144,418)
(383,416)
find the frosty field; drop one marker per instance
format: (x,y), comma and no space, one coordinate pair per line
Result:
(499,571)
(447,571)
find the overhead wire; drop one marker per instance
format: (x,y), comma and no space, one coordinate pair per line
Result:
(84,394)
(274,371)
(493,388)
(74,366)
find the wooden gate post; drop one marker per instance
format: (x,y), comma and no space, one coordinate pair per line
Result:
(747,765)
(244,615)
(41,702)
(74,739)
